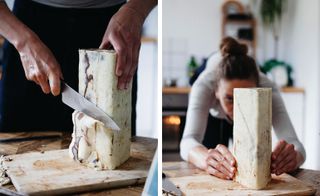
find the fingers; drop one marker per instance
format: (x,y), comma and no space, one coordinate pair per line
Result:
(219,163)
(41,66)
(284,158)
(43,82)
(227,154)
(288,149)
(281,144)
(216,173)
(125,37)
(122,60)
(135,59)
(221,168)
(287,164)
(54,81)
(47,78)
(105,44)
(124,79)
(39,77)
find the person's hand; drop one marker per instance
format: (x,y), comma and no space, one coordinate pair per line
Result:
(284,158)
(124,34)
(221,163)
(40,65)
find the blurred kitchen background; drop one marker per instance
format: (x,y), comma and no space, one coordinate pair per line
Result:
(147,109)
(287,50)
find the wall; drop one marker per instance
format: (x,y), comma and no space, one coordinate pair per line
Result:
(189,28)
(301,47)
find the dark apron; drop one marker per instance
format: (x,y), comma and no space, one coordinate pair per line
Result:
(218,131)
(23,105)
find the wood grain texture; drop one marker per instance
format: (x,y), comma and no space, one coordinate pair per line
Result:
(63,143)
(193,181)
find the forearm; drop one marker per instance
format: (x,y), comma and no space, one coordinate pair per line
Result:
(197,156)
(143,7)
(13,29)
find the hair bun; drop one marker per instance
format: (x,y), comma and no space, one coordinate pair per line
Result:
(229,46)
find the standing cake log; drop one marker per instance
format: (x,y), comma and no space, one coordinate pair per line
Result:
(252,136)
(92,143)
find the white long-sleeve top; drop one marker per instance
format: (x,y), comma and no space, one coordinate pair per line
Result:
(202,101)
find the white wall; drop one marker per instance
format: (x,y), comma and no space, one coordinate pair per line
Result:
(189,28)
(301,47)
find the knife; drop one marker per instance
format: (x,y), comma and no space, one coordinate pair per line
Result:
(169,187)
(77,102)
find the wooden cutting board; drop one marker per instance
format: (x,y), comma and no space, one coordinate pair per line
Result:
(54,172)
(204,184)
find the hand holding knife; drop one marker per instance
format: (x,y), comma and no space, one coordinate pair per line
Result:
(77,102)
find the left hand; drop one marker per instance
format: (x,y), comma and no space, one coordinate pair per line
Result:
(284,158)
(124,34)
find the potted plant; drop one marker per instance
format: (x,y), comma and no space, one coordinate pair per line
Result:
(271,12)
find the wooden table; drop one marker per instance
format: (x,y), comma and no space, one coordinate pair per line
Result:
(180,169)
(56,144)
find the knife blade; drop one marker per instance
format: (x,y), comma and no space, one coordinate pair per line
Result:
(76,101)
(169,187)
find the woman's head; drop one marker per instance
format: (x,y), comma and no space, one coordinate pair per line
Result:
(236,70)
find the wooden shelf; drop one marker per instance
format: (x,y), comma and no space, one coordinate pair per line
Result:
(149,39)
(176,90)
(245,41)
(186,90)
(249,21)
(292,90)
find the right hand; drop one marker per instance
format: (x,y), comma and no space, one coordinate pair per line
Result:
(221,163)
(40,65)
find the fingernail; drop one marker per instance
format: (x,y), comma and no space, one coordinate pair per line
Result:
(119,72)
(127,85)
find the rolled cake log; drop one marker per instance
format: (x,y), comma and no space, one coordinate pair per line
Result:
(252,136)
(92,143)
